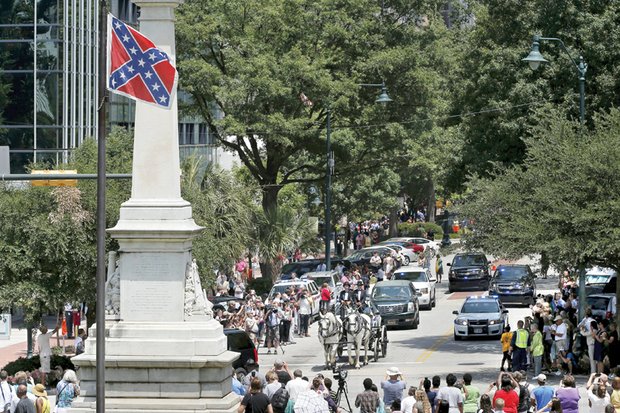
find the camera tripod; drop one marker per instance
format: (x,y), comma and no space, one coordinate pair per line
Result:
(342,389)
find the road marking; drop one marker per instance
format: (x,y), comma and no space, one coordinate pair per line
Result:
(438,343)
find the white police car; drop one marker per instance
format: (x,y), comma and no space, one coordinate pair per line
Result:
(480,316)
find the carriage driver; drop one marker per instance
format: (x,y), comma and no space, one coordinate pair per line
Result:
(345,298)
(359,298)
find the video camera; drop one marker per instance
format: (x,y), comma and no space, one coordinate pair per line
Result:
(340,375)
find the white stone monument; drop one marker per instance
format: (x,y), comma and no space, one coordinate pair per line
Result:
(164,352)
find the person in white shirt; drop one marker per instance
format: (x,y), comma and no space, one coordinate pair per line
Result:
(451,394)
(45,351)
(584,329)
(340,268)
(6,393)
(599,399)
(558,331)
(297,385)
(406,405)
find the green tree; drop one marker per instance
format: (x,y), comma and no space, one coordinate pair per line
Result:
(48,258)
(503,94)
(562,201)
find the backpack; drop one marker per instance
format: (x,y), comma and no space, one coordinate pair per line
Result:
(279,400)
(524,399)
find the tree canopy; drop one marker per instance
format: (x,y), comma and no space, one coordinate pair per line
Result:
(563,200)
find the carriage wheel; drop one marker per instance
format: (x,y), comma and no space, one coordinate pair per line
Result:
(377,349)
(384,342)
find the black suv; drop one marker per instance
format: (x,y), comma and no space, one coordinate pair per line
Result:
(239,341)
(514,283)
(469,271)
(397,303)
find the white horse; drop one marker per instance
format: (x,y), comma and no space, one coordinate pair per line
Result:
(330,330)
(357,326)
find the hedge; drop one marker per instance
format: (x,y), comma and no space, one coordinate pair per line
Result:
(34,363)
(419,229)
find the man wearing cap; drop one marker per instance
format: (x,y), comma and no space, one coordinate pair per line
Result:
(393,386)
(542,394)
(359,296)
(345,298)
(559,336)
(518,346)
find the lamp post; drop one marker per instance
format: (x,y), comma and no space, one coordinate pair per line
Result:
(383,98)
(535,59)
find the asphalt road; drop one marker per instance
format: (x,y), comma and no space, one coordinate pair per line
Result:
(427,351)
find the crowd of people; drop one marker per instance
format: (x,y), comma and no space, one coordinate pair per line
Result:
(553,340)
(283,391)
(22,395)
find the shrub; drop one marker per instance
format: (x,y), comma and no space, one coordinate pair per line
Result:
(419,229)
(34,363)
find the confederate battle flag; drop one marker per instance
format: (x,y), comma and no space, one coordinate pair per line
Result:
(136,68)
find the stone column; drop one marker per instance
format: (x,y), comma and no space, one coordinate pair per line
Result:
(164,352)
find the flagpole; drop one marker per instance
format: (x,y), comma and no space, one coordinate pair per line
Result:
(101,215)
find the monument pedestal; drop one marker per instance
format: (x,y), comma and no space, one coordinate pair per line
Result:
(167,367)
(164,352)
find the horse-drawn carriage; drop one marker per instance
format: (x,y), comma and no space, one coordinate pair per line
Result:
(355,329)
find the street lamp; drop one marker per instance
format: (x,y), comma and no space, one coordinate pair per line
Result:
(383,99)
(535,59)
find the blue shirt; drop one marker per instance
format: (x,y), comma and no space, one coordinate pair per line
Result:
(392,390)
(237,387)
(543,395)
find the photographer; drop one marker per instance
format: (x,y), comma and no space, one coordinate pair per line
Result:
(393,386)
(305,310)
(272,322)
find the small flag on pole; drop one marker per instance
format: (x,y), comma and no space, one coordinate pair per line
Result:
(137,69)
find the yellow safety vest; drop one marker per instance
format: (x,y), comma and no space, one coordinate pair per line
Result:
(521,340)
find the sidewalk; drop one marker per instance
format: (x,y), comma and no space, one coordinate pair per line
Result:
(16,346)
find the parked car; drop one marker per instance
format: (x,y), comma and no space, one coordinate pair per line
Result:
(283,286)
(422,280)
(331,278)
(408,255)
(240,342)
(303,266)
(426,243)
(480,316)
(514,283)
(601,280)
(397,303)
(469,270)
(363,256)
(412,246)
(603,305)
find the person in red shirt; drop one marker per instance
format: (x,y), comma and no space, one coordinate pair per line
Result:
(507,392)
(326,296)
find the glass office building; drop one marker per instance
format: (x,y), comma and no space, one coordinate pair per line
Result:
(48,60)
(51,72)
